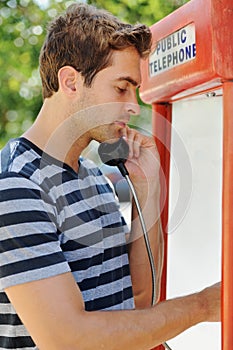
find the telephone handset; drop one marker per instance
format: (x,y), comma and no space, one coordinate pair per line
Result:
(115,154)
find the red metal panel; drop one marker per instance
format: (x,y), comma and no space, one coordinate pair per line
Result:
(211,68)
(162,134)
(227,243)
(222,15)
(214,51)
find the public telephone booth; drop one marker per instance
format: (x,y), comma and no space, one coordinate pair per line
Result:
(188,79)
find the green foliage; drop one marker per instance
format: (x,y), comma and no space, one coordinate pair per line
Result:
(22,31)
(143,11)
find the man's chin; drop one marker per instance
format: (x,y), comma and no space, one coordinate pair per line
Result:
(109,136)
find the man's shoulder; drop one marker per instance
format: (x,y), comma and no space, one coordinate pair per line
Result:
(18,164)
(18,157)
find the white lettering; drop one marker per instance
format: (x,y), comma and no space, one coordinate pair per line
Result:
(173,50)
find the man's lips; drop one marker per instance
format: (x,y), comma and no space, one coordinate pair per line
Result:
(121,123)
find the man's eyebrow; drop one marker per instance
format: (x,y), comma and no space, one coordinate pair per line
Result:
(130,80)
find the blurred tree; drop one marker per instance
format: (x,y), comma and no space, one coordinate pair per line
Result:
(143,11)
(22,31)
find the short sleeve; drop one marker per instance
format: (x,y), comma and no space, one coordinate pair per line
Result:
(29,239)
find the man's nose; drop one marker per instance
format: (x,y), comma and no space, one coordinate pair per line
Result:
(133,108)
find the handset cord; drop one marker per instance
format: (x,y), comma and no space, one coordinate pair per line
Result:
(116,154)
(146,238)
(148,247)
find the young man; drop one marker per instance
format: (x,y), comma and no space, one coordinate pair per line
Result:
(68,278)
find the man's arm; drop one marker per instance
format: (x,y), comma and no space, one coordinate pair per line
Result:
(138,256)
(53,311)
(143,167)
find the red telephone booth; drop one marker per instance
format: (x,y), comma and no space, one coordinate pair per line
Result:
(192,63)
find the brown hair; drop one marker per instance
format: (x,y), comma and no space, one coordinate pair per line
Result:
(84,38)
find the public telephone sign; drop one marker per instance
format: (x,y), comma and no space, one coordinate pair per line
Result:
(175,49)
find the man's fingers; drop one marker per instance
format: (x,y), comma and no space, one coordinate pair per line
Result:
(134,139)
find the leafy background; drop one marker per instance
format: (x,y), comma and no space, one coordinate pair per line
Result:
(22,31)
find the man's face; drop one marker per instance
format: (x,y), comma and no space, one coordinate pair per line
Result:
(111,99)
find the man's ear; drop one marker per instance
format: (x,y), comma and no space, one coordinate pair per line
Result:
(68,80)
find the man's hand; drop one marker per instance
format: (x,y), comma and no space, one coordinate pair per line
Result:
(211,299)
(143,163)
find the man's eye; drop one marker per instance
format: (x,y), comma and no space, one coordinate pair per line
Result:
(121,90)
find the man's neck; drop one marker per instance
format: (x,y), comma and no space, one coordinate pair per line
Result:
(57,136)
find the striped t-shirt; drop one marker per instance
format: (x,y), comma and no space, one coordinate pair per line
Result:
(54,220)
